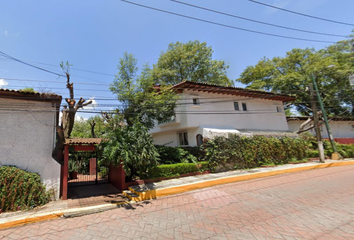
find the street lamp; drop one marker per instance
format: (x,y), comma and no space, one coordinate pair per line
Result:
(335,155)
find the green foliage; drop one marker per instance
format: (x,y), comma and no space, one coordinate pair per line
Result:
(28,89)
(170,155)
(174,170)
(247,152)
(103,173)
(292,75)
(20,190)
(133,147)
(190,61)
(140,101)
(82,128)
(73,167)
(347,151)
(195,151)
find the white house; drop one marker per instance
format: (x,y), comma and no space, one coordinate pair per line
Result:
(27,134)
(207,110)
(342,128)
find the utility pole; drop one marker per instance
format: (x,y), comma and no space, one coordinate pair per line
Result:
(335,155)
(317,126)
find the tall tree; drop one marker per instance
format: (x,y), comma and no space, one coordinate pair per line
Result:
(190,61)
(140,100)
(293,73)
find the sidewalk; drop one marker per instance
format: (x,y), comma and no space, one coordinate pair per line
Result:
(83,206)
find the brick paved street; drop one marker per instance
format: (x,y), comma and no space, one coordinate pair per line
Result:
(316,204)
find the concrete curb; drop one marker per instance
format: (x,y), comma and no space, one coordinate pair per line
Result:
(224,180)
(67,213)
(162,192)
(155,193)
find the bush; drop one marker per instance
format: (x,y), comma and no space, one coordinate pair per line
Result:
(131,146)
(345,150)
(173,170)
(238,152)
(20,190)
(171,155)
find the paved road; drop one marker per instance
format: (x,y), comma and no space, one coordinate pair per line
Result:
(316,204)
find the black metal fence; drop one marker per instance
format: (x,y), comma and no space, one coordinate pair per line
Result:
(85,169)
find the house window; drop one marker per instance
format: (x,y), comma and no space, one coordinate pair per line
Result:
(244,107)
(183,138)
(279,109)
(199,140)
(196,101)
(236,106)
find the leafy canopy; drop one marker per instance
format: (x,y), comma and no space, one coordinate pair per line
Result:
(292,74)
(133,147)
(140,101)
(190,61)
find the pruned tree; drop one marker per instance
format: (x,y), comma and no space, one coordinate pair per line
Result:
(69,111)
(68,116)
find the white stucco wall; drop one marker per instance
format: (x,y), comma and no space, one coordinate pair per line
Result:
(339,129)
(27,139)
(217,111)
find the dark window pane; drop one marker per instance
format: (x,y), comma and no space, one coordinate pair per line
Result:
(244,107)
(236,106)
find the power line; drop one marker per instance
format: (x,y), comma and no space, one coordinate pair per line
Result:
(260,22)
(35,80)
(70,68)
(17,60)
(82,70)
(225,25)
(302,14)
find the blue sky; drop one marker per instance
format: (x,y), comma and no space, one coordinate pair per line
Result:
(92,35)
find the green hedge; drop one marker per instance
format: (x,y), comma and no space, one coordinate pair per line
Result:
(345,150)
(171,155)
(20,190)
(173,170)
(238,152)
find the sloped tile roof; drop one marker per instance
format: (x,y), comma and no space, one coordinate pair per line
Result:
(21,95)
(212,88)
(83,141)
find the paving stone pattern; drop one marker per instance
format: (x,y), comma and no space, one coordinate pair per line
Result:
(316,204)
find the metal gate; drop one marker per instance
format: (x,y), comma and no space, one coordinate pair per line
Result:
(86,169)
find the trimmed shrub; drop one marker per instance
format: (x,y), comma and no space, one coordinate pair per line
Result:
(174,170)
(20,190)
(238,152)
(171,155)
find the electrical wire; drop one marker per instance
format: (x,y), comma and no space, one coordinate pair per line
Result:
(225,25)
(260,22)
(47,81)
(302,14)
(30,65)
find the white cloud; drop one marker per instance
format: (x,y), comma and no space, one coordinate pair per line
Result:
(3,82)
(91,106)
(6,35)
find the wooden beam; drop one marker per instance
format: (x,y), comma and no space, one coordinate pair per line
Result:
(84,148)
(65,173)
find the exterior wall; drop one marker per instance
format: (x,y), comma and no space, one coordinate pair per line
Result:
(261,115)
(170,138)
(339,129)
(27,139)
